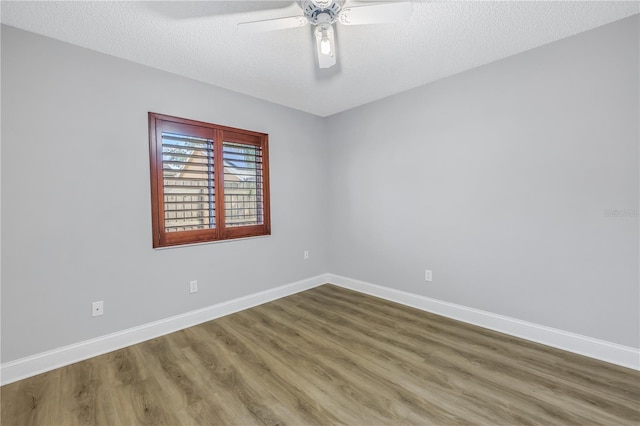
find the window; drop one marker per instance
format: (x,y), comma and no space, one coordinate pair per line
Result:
(208,182)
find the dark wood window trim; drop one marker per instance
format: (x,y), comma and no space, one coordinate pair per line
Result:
(210,183)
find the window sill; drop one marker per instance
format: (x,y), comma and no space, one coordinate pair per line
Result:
(204,243)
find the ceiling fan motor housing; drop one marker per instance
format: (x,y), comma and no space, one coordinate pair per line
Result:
(321,11)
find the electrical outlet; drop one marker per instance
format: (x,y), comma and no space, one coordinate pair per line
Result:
(305,255)
(193,286)
(97,309)
(428,276)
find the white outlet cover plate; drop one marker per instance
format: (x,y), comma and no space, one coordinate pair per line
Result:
(428,275)
(97,309)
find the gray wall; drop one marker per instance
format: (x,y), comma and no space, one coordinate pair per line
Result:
(76,218)
(498,180)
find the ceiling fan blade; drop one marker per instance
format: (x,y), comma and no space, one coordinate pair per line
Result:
(272,24)
(325,45)
(376,13)
(204,9)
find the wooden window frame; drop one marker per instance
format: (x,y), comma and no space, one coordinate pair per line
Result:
(219,134)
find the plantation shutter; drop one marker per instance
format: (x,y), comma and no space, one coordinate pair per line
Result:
(243,184)
(188,182)
(208,182)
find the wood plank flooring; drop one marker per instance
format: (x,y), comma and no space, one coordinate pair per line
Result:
(329,356)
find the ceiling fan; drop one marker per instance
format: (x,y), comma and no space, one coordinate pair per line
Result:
(323,14)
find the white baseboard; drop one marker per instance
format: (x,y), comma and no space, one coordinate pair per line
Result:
(599,349)
(46,361)
(50,360)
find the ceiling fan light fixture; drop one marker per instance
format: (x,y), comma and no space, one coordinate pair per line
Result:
(324,36)
(325,46)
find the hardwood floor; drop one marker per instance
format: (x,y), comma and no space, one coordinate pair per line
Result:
(329,356)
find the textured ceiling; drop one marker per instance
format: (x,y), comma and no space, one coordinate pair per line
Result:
(199,40)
